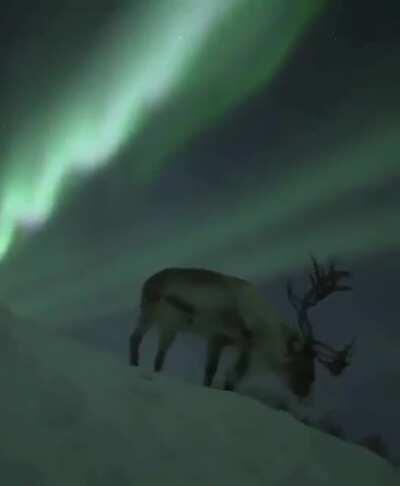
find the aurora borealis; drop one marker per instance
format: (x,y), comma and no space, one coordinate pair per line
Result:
(142,58)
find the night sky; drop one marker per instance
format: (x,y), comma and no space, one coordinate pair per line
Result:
(236,135)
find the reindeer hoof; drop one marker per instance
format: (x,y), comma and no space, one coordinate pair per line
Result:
(228,386)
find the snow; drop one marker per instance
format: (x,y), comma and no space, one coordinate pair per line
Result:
(74,416)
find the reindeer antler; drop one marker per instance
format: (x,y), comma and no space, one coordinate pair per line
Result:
(337,360)
(324,282)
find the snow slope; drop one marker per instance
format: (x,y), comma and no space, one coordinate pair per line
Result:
(71,416)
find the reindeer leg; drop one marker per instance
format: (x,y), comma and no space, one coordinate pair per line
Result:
(136,338)
(166,338)
(214,349)
(238,371)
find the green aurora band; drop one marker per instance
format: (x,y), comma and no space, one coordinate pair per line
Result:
(176,47)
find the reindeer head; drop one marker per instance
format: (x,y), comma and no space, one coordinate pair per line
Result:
(304,349)
(300,368)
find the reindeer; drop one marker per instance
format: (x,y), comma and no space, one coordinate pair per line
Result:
(228,311)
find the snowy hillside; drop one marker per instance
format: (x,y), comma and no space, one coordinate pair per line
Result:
(71,416)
